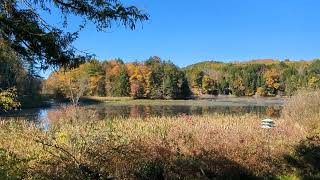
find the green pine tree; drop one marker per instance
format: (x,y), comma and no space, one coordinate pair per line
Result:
(122,84)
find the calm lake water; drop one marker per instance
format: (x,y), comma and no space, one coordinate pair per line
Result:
(263,107)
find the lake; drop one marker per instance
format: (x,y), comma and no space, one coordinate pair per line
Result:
(263,107)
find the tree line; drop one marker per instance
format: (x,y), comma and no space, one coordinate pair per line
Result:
(151,79)
(259,77)
(158,79)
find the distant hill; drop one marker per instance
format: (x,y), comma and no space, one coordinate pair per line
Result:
(267,77)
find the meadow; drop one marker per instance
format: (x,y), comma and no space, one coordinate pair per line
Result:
(74,143)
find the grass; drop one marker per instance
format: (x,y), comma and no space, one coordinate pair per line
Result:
(79,145)
(304,108)
(103,99)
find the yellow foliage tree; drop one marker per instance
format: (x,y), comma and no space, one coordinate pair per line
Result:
(272,82)
(139,78)
(72,83)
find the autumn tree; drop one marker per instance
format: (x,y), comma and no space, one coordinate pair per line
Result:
(272,84)
(112,70)
(139,79)
(71,83)
(136,90)
(96,75)
(195,79)
(209,86)
(238,87)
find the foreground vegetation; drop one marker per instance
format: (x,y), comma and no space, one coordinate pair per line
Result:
(78,145)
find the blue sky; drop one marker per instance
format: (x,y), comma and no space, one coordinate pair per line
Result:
(187,32)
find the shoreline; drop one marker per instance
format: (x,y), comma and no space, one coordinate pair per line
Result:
(218,101)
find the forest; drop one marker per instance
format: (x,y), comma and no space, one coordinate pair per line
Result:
(153,78)
(19,81)
(159,79)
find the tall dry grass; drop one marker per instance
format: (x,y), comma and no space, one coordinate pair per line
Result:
(77,145)
(303,108)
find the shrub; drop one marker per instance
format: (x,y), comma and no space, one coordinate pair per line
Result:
(8,100)
(303,108)
(10,165)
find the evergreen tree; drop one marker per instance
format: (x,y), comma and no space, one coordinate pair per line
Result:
(168,88)
(184,88)
(24,29)
(122,84)
(156,78)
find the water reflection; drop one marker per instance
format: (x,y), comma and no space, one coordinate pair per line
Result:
(33,114)
(173,110)
(111,111)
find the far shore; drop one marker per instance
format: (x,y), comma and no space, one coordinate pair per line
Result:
(220,100)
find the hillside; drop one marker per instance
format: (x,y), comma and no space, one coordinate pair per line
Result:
(158,79)
(266,77)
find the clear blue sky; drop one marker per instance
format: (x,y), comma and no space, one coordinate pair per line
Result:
(187,32)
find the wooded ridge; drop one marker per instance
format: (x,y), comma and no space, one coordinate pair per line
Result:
(159,79)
